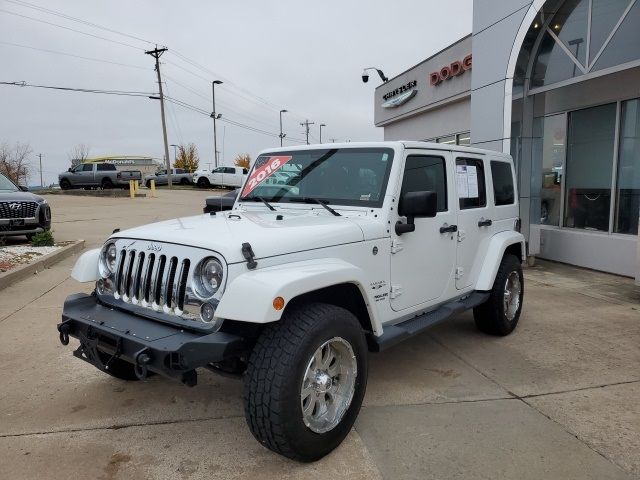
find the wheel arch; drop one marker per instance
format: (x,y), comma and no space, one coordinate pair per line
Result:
(503,243)
(332,281)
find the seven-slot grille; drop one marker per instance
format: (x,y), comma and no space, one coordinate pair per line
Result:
(18,209)
(151,279)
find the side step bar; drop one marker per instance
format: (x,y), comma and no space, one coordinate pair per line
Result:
(394,334)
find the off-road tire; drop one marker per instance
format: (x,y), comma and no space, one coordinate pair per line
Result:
(490,317)
(65,184)
(274,376)
(203,182)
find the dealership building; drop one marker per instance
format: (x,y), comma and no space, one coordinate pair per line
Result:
(556,84)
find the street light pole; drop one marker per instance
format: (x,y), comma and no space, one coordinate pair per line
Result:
(322,125)
(175,153)
(215,116)
(282,135)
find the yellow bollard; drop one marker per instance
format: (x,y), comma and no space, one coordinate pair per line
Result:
(132,189)
(153,188)
(137,185)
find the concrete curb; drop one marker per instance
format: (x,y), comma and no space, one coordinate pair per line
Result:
(20,273)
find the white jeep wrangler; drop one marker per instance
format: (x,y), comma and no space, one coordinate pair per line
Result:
(359,247)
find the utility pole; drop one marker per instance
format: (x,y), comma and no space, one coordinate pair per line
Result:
(306,124)
(282,135)
(322,125)
(215,116)
(156,54)
(41,182)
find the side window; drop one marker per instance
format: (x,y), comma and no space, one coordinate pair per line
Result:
(245,171)
(503,191)
(229,170)
(87,167)
(472,190)
(106,167)
(426,173)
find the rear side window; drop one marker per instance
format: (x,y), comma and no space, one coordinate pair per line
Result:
(503,191)
(472,190)
(425,173)
(229,170)
(180,170)
(106,167)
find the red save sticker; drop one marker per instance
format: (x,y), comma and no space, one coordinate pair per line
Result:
(264,171)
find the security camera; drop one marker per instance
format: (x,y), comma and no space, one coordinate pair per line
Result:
(365,76)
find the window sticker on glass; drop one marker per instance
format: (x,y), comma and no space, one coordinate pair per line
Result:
(461,180)
(263,169)
(472,181)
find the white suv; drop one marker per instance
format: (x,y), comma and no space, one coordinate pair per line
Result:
(360,247)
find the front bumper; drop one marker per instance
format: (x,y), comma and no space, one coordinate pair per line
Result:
(147,344)
(25,226)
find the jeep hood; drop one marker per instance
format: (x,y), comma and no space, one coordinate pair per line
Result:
(226,232)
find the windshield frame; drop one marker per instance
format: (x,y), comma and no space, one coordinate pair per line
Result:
(253,195)
(4,190)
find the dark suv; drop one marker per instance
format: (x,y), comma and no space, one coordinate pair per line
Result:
(21,212)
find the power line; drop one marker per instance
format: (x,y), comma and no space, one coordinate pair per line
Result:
(71,29)
(79,20)
(45,50)
(82,90)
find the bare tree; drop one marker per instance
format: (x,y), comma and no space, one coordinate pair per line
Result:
(14,162)
(79,154)
(188,158)
(243,160)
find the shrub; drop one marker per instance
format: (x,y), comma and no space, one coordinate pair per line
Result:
(43,239)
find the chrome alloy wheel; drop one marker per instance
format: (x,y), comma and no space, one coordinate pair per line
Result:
(328,385)
(512,291)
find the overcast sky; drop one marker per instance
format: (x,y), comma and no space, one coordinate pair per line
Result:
(306,57)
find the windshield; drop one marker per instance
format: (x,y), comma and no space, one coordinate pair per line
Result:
(7,185)
(338,176)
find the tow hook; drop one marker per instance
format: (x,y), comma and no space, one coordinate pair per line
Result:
(140,368)
(63,328)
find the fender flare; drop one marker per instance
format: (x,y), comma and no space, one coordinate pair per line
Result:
(497,246)
(249,297)
(86,267)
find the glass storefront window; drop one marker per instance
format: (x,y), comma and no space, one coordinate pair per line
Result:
(552,64)
(604,16)
(628,190)
(464,138)
(590,141)
(570,25)
(624,46)
(549,154)
(450,140)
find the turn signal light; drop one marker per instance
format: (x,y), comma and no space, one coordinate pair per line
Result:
(278,303)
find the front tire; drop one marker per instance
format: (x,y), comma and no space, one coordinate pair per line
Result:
(65,184)
(305,381)
(499,315)
(203,182)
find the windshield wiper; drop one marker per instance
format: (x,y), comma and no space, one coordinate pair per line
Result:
(261,199)
(319,202)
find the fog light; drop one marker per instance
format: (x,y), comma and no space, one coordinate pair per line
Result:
(104,286)
(207,312)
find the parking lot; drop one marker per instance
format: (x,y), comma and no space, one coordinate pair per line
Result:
(556,399)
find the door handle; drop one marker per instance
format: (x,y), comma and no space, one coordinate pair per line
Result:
(448,228)
(485,223)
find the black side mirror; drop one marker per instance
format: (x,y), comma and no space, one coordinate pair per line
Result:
(416,204)
(69,170)
(23,188)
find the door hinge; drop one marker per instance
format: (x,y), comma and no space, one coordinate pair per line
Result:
(396,245)
(396,291)
(459,273)
(461,235)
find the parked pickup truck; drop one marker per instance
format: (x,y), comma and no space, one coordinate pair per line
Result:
(231,177)
(178,176)
(368,245)
(97,175)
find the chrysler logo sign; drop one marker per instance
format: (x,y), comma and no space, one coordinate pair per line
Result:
(400,95)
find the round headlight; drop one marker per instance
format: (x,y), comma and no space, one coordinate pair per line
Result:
(108,260)
(208,277)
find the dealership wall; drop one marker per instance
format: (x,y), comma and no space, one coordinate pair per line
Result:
(435,110)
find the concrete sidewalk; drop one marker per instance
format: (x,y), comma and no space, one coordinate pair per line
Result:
(557,399)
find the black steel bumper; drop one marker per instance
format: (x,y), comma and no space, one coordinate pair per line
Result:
(149,345)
